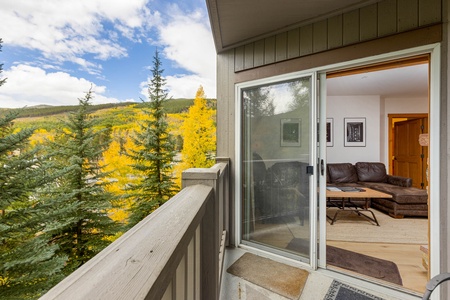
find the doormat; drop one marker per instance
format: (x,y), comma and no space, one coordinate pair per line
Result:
(340,291)
(279,278)
(353,261)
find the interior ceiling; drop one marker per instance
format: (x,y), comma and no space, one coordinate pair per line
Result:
(410,81)
(235,22)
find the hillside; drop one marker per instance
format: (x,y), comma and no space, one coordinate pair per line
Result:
(117,115)
(173,106)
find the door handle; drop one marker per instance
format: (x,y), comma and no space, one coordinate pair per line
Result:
(322,167)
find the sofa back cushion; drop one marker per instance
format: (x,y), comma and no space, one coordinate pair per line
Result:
(371,171)
(341,173)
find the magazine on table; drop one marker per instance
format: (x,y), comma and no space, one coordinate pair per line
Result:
(345,189)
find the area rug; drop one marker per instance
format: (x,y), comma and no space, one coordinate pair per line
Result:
(340,291)
(279,278)
(353,261)
(364,264)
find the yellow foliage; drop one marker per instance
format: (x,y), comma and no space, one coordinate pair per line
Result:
(40,136)
(199,133)
(117,163)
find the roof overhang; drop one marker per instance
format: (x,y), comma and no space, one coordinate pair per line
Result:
(237,22)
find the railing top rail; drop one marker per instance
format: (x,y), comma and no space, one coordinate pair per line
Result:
(141,261)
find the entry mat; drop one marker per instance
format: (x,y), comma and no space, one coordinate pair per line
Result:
(279,278)
(340,291)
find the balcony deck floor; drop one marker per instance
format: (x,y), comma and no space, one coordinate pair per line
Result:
(317,285)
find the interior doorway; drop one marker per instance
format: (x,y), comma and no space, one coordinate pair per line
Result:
(380,96)
(409,158)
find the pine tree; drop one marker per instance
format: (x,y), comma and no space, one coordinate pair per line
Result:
(199,132)
(83,229)
(154,152)
(258,102)
(2,81)
(30,264)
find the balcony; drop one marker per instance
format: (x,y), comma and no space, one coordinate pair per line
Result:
(178,252)
(174,253)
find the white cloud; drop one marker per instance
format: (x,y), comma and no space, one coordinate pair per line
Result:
(187,40)
(65,30)
(184,86)
(88,33)
(29,86)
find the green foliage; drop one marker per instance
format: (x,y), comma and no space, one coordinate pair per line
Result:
(29,265)
(154,153)
(47,110)
(258,102)
(84,227)
(2,81)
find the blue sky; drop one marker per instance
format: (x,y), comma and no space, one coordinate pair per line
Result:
(54,50)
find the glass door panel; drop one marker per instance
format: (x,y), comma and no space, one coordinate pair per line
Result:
(276,143)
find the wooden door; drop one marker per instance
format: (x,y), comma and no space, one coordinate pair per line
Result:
(410,158)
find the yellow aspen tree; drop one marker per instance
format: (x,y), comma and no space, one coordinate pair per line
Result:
(199,133)
(118,165)
(40,136)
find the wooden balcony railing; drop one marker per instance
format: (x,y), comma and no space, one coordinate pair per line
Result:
(174,253)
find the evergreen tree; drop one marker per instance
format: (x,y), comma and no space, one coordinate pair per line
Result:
(83,229)
(258,102)
(301,93)
(154,153)
(199,132)
(2,81)
(30,264)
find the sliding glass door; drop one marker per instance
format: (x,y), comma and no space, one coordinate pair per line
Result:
(276,165)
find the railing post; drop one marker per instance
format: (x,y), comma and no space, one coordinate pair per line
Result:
(209,235)
(225,195)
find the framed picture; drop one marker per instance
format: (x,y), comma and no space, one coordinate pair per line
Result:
(290,132)
(355,132)
(330,132)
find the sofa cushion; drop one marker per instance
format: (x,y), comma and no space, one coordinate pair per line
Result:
(342,173)
(402,195)
(399,180)
(371,171)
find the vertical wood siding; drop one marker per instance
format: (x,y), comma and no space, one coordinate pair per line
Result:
(373,21)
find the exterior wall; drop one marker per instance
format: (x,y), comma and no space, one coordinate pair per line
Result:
(226,123)
(383,27)
(378,20)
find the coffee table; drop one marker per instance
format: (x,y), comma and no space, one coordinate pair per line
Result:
(343,201)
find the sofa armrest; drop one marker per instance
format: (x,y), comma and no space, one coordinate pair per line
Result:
(399,180)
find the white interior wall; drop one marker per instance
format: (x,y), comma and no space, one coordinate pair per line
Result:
(340,107)
(376,111)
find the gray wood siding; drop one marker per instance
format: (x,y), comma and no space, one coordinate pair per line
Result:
(377,20)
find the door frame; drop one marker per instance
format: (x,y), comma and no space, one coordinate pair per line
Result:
(391,135)
(434,51)
(264,250)
(319,224)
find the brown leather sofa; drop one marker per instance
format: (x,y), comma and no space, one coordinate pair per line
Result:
(406,200)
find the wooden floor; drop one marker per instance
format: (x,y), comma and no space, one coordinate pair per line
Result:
(408,258)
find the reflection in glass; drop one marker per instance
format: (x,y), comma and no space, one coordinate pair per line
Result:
(276,143)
